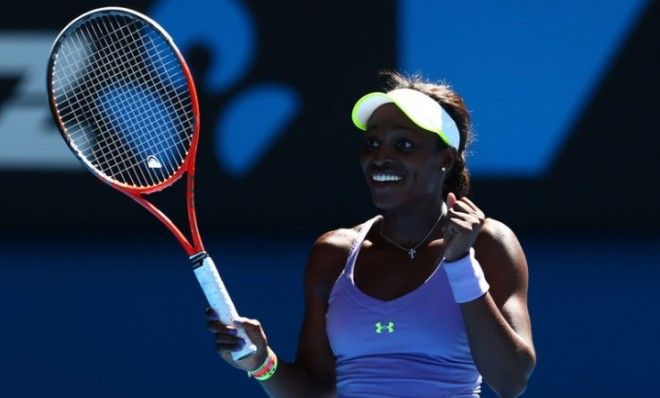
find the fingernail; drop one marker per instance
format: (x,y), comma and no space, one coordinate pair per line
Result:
(233,332)
(241,344)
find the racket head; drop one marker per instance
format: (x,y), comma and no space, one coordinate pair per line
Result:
(124,99)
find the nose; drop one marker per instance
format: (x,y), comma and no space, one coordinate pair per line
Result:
(383,155)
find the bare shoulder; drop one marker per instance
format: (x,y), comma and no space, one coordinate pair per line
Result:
(338,240)
(503,260)
(328,257)
(497,237)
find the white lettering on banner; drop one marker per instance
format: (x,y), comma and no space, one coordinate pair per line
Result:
(28,136)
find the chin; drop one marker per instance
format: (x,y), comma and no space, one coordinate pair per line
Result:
(385,202)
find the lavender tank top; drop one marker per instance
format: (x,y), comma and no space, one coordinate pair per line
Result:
(413,346)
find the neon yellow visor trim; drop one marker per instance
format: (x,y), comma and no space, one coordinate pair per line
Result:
(423,110)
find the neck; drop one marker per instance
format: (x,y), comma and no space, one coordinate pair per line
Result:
(409,226)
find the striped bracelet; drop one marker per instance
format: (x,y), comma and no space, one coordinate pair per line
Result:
(267,369)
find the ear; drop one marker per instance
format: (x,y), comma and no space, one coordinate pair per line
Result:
(447,159)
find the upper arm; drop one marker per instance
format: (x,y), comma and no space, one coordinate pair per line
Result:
(502,258)
(325,263)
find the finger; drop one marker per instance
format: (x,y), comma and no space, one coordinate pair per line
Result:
(222,338)
(226,355)
(463,207)
(460,225)
(469,202)
(217,327)
(248,324)
(451,200)
(211,314)
(252,328)
(222,348)
(465,223)
(460,215)
(474,207)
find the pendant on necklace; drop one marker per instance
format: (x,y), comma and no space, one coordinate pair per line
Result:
(411,253)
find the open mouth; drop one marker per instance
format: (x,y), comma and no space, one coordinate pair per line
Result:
(385,177)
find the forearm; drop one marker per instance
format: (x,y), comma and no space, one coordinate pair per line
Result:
(504,358)
(293,380)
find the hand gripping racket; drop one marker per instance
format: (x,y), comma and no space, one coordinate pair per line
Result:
(125,103)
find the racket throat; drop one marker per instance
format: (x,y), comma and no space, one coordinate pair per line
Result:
(197,259)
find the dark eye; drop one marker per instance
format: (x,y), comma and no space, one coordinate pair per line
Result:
(370,143)
(404,144)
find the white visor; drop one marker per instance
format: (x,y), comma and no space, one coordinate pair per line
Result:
(423,110)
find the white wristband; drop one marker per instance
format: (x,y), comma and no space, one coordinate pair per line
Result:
(466,278)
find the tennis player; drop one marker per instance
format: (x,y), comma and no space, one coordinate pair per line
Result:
(423,300)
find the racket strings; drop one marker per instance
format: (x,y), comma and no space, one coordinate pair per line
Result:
(135,74)
(123,100)
(134,110)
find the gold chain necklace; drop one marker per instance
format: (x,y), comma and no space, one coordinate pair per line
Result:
(412,250)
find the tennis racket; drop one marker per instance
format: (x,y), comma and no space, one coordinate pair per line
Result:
(125,102)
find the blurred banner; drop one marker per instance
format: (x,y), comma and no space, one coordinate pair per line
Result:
(562,95)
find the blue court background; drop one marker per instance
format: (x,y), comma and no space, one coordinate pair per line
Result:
(118,318)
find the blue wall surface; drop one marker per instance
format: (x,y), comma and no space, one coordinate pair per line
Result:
(118,319)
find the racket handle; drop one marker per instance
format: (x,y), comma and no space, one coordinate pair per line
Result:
(218,297)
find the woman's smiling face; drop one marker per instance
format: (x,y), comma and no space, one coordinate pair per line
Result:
(401,162)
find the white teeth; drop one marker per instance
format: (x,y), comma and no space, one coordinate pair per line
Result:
(385,177)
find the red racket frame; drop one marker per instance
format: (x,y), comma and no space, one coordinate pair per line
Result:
(194,245)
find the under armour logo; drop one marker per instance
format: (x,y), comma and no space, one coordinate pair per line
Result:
(389,327)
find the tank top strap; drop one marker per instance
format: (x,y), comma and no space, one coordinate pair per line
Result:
(357,243)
